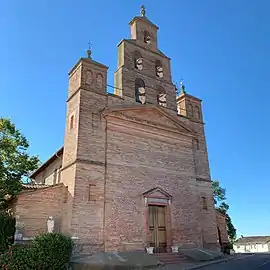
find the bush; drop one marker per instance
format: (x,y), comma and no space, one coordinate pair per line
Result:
(52,250)
(48,251)
(7,231)
(18,258)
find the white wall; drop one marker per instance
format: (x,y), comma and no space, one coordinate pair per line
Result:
(251,248)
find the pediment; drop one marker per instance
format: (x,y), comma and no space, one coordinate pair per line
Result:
(157,193)
(150,115)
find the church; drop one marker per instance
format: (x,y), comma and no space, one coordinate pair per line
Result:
(133,171)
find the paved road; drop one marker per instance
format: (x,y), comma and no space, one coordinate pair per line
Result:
(239,262)
(245,262)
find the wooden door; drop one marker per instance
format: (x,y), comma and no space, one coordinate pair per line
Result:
(157,227)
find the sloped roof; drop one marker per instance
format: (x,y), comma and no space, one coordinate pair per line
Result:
(144,19)
(253,240)
(133,41)
(33,186)
(48,162)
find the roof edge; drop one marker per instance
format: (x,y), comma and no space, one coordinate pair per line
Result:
(144,19)
(47,162)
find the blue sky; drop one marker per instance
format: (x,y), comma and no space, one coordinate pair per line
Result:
(220,48)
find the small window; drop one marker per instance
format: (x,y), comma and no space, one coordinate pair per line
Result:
(71,122)
(92,192)
(204,203)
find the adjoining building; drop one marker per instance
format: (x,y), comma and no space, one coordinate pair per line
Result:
(252,244)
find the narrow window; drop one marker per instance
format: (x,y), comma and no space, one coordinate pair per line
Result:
(140,91)
(196,145)
(138,61)
(71,122)
(91,192)
(161,96)
(59,174)
(159,69)
(204,203)
(66,195)
(147,38)
(54,176)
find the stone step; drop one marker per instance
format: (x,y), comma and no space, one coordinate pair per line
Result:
(171,258)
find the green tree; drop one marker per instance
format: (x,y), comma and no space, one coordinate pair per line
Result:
(15,162)
(222,206)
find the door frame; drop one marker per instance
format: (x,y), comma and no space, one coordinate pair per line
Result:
(158,200)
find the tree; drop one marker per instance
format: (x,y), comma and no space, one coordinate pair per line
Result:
(15,162)
(223,207)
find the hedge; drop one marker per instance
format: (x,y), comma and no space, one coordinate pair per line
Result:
(48,251)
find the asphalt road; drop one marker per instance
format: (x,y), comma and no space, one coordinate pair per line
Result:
(245,262)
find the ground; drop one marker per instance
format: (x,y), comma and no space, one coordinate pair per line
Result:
(239,262)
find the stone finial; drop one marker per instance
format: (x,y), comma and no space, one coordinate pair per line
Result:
(143,11)
(183,88)
(89,52)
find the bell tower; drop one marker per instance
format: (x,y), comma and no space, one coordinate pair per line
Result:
(189,106)
(143,74)
(83,165)
(144,31)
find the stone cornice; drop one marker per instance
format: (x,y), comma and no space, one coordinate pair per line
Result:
(133,42)
(118,112)
(203,180)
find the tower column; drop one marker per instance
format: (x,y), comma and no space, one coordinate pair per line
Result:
(83,168)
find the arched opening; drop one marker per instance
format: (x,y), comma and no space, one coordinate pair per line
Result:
(161,96)
(189,110)
(140,91)
(197,112)
(159,69)
(219,236)
(138,61)
(99,81)
(147,37)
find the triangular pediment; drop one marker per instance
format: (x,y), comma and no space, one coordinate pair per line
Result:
(157,193)
(150,115)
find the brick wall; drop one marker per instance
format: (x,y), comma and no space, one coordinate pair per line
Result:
(34,207)
(222,225)
(137,161)
(126,74)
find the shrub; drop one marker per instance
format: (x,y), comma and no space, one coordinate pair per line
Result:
(52,250)
(18,258)
(7,231)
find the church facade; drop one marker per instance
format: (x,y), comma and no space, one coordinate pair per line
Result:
(133,171)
